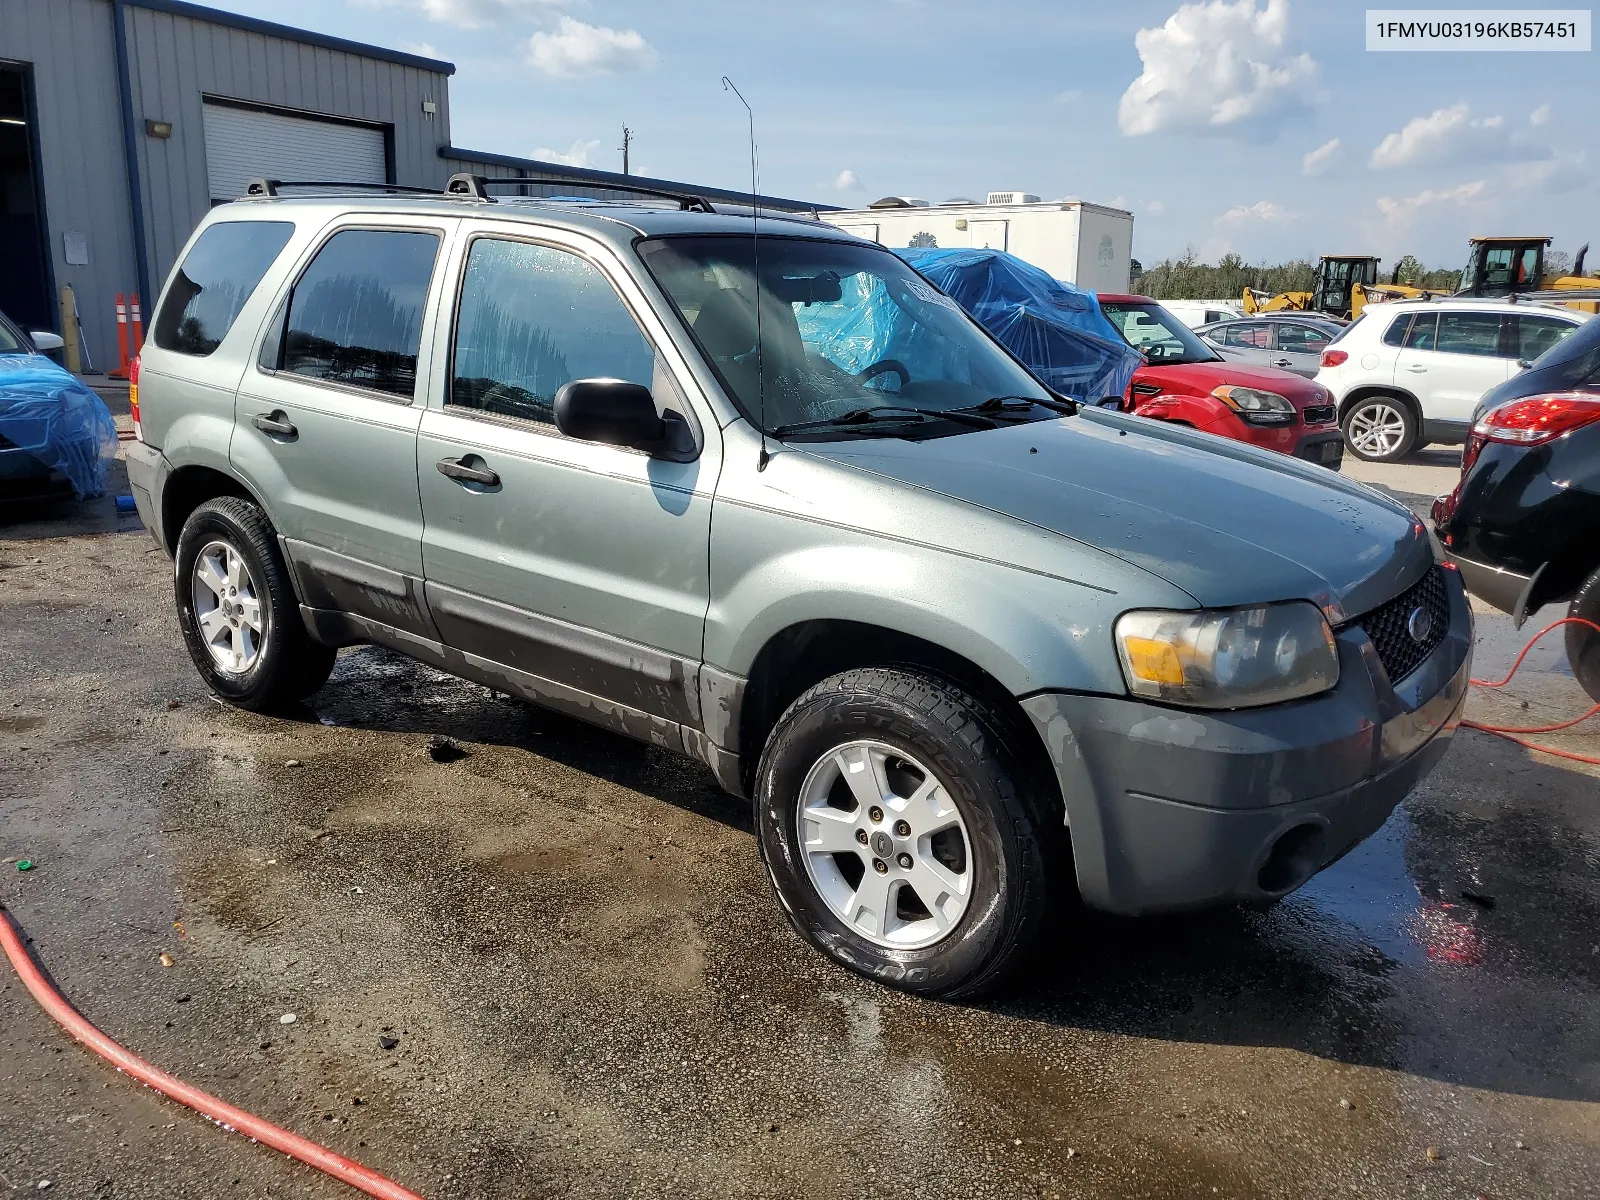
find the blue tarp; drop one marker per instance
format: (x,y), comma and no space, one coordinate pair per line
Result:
(1057,330)
(46,412)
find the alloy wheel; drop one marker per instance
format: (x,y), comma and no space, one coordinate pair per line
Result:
(226,608)
(1377,429)
(885,845)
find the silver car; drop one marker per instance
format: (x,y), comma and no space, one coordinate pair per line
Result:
(1288,341)
(967,647)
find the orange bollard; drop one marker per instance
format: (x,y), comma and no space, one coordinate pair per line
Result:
(137,319)
(121,371)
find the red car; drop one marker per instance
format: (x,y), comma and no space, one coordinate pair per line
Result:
(1186,382)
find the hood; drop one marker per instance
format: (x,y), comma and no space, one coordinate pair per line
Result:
(1198,379)
(1229,524)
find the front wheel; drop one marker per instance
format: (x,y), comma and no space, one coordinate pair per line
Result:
(1583,643)
(903,833)
(1380,428)
(238,612)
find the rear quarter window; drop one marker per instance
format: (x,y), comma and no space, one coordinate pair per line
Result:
(215,280)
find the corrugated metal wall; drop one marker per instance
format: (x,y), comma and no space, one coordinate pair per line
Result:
(69,43)
(176,61)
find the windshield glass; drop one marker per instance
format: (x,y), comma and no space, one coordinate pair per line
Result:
(844,329)
(1157,334)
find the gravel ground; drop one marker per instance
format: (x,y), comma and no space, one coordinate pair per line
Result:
(553,966)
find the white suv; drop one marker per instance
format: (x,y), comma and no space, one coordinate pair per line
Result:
(1410,372)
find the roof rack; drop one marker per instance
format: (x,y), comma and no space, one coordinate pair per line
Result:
(269,187)
(473,187)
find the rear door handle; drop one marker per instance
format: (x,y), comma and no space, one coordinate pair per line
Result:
(1283,362)
(1416,370)
(276,423)
(459,470)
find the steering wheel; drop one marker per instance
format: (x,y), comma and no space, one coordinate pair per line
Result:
(883,366)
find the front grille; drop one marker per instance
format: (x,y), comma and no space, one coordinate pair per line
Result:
(1320,414)
(1389,626)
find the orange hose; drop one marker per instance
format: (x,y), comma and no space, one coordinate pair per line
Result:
(234,1119)
(1509,732)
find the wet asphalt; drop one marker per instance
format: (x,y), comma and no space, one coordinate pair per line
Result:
(552,965)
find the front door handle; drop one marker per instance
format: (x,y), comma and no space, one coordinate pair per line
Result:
(1416,370)
(1283,362)
(276,423)
(459,470)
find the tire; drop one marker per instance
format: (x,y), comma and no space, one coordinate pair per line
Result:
(247,641)
(1583,643)
(978,811)
(1380,428)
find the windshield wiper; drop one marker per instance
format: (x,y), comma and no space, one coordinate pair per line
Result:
(1019,404)
(895,413)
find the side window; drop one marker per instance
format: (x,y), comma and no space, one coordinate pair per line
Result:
(1535,335)
(216,278)
(1395,335)
(532,318)
(355,315)
(1305,338)
(1469,333)
(1252,334)
(1420,335)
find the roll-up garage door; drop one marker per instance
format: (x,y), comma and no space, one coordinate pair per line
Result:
(245,143)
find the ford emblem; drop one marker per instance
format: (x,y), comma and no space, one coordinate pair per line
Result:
(1419,625)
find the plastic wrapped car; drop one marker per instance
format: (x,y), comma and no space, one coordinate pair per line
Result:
(56,436)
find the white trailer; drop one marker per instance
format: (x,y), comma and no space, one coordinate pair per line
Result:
(1086,245)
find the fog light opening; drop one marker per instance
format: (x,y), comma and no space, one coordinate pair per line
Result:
(1294,859)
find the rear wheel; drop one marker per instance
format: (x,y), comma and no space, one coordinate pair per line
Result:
(903,833)
(1380,428)
(1583,643)
(238,611)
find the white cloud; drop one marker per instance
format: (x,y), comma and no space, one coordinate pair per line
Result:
(1213,65)
(1559,173)
(847,181)
(1403,208)
(1118,202)
(425,49)
(1068,97)
(1454,134)
(1261,210)
(467,14)
(581,154)
(1540,115)
(578,48)
(1155,208)
(1323,159)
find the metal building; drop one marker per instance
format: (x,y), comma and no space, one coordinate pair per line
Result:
(123,121)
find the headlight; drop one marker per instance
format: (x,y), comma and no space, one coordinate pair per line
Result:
(1256,406)
(1228,658)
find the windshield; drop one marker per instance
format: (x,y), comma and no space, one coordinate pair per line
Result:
(1157,334)
(844,330)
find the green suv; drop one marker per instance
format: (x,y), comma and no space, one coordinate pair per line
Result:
(753,490)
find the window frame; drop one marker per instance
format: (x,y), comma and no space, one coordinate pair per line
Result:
(277,323)
(527,424)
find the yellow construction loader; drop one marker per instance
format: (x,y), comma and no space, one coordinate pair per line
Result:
(1514,266)
(1333,292)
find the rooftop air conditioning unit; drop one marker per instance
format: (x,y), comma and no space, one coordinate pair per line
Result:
(900,202)
(1012,198)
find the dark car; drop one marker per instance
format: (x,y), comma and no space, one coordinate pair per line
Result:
(1572,364)
(1523,524)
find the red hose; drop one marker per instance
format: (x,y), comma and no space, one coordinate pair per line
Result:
(1509,732)
(224,1114)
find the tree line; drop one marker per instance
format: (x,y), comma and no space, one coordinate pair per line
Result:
(1186,278)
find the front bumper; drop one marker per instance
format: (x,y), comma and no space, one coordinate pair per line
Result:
(1173,809)
(1325,447)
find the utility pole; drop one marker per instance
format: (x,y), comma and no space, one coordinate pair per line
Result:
(627,140)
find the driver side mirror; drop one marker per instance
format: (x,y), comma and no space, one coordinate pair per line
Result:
(618,413)
(46,341)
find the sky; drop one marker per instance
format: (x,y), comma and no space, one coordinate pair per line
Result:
(1261,127)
